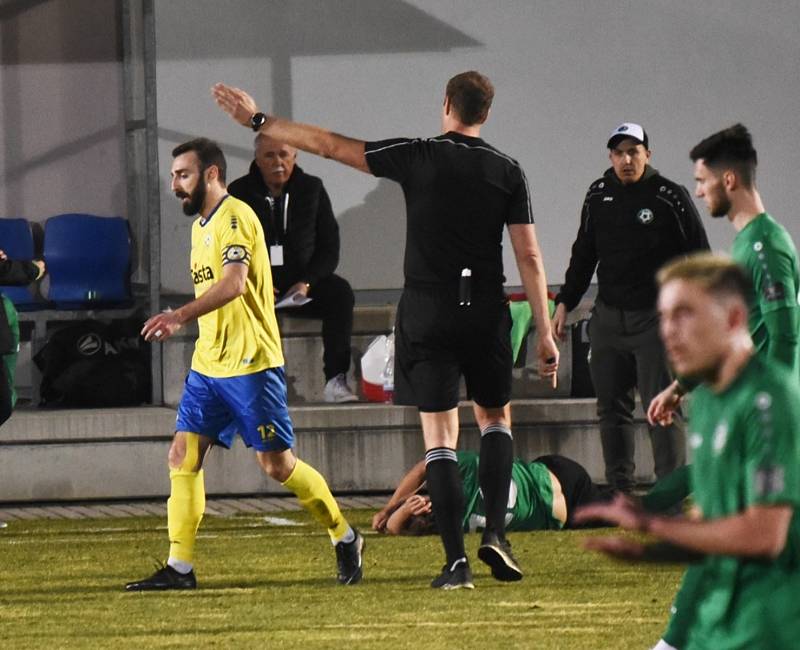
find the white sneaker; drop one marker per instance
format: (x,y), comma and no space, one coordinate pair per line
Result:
(337,391)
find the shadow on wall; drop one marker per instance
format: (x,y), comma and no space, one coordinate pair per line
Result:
(59,31)
(85,31)
(279,30)
(69,32)
(263,28)
(373,237)
(50,32)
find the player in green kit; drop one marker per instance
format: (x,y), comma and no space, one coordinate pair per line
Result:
(543,495)
(725,173)
(725,170)
(745,472)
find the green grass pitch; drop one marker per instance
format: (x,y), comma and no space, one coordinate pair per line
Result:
(262,585)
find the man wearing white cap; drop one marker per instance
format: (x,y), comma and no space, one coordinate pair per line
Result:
(633,221)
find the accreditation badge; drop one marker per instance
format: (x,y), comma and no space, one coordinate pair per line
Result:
(276,255)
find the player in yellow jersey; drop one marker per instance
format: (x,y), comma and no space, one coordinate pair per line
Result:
(237,382)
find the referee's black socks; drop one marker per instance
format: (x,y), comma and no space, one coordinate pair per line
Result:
(494,474)
(447,499)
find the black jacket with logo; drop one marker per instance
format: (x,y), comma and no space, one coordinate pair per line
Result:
(627,233)
(311,241)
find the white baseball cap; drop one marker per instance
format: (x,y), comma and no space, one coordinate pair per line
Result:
(628,130)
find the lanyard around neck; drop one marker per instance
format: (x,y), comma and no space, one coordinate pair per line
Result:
(271,202)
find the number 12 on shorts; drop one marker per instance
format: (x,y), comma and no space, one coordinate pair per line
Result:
(267,432)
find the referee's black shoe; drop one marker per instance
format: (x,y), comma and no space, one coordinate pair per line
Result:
(165,578)
(496,552)
(349,561)
(456,576)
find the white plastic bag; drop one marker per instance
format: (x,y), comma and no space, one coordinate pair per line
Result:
(377,369)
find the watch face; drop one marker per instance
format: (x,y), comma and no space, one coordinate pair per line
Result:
(257,121)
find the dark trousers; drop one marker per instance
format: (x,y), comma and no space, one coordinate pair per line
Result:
(627,353)
(332,302)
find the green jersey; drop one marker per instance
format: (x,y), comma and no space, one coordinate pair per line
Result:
(746,452)
(10,359)
(766,251)
(530,496)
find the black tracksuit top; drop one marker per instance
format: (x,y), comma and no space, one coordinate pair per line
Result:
(311,241)
(627,233)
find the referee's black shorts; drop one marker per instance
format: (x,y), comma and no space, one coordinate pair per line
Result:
(437,341)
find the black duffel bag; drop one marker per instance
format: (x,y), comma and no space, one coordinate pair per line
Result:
(93,364)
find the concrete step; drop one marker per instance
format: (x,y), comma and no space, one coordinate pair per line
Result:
(302,347)
(121,453)
(367,319)
(273,507)
(302,350)
(302,341)
(305,380)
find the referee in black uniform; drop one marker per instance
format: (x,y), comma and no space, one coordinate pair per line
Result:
(633,221)
(452,319)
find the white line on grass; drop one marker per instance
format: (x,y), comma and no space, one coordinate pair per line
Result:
(81,539)
(563,605)
(282,521)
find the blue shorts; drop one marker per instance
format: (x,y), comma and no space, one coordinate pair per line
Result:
(254,406)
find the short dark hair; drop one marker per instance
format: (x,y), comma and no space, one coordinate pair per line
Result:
(470,94)
(208,152)
(416,525)
(717,274)
(731,148)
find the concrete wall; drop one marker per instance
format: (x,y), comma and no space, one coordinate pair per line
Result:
(121,453)
(566,72)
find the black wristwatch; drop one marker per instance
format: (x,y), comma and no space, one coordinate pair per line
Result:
(257,121)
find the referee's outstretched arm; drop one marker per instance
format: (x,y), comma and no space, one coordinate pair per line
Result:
(243,109)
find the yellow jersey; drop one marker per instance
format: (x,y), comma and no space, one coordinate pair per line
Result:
(241,337)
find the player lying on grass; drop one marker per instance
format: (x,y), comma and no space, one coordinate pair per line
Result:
(542,496)
(745,472)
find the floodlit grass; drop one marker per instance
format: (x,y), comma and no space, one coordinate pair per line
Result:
(268,586)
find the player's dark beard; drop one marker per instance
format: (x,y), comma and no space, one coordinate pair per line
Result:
(723,206)
(196,200)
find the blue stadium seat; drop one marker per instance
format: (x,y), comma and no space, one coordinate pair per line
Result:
(16,239)
(88,259)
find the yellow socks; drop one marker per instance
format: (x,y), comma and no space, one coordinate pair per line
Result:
(311,489)
(185,508)
(186,505)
